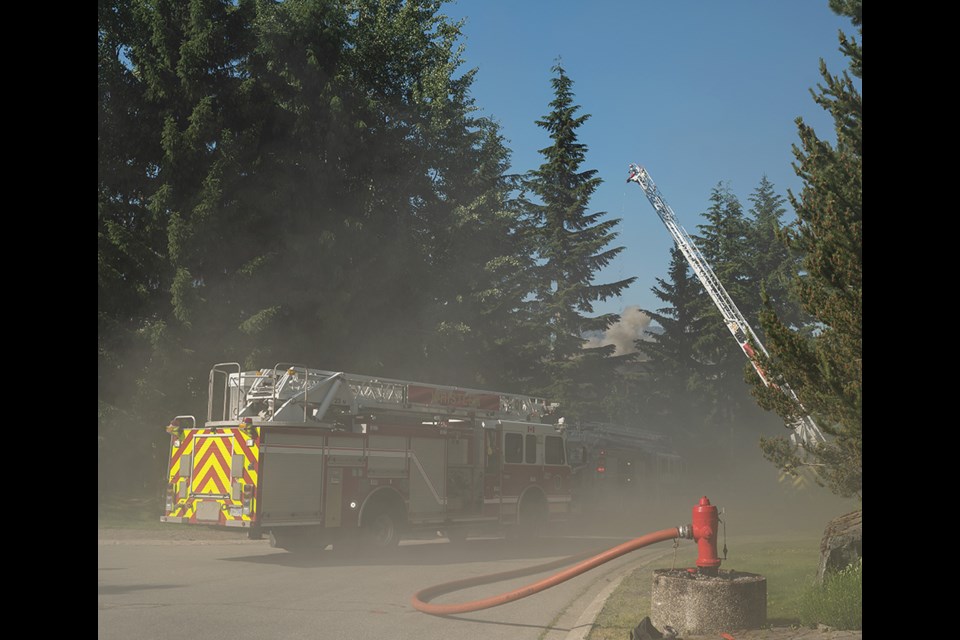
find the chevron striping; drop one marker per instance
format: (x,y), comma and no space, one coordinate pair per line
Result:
(218,466)
(213,447)
(211,477)
(187,439)
(242,444)
(213,463)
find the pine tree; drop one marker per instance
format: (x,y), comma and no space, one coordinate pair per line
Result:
(132,274)
(773,265)
(166,84)
(483,280)
(672,360)
(572,246)
(724,242)
(826,370)
(304,181)
(320,166)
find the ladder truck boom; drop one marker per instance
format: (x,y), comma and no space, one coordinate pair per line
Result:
(805,430)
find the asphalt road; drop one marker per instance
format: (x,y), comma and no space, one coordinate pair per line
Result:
(238,589)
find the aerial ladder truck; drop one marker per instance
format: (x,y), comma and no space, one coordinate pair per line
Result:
(805,430)
(311,457)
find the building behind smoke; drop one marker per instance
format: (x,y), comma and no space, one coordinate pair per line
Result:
(617,467)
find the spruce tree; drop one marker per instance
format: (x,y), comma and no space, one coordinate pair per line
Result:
(724,242)
(826,370)
(304,181)
(672,363)
(483,276)
(773,266)
(572,246)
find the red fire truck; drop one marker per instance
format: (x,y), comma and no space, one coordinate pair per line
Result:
(313,457)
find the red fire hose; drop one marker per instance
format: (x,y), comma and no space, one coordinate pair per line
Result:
(421,599)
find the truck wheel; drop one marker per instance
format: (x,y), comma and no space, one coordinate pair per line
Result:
(297,540)
(275,541)
(457,535)
(532,520)
(286,540)
(382,530)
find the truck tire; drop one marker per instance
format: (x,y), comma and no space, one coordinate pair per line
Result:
(532,517)
(282,540)
(381,530)
(298,539)
(457,535)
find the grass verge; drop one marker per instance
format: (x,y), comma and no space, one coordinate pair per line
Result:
(128,512)
(789,566)
(838,602)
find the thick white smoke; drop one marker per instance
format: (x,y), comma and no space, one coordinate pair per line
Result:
(632,326)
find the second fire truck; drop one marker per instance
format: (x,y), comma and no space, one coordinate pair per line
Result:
(312,457)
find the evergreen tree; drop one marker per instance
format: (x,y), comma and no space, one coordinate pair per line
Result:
(131,274)
(483,280)
(318,172)
(572,245)
(304,181)
(724,242)
(773,265)
(156,112)
(826,370)
(672,359)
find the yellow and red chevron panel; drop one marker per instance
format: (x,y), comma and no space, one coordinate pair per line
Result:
(213,476)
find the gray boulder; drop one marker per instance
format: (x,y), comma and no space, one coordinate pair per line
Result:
(842,543)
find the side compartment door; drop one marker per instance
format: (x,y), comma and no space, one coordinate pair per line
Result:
(492,467)
(428,495)
(556,476)
(514,475)
(464,475)
(291,478)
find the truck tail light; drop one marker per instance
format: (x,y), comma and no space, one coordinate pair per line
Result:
(247,499)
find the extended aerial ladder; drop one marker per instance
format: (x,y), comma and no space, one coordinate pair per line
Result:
(805,430)
(296,394)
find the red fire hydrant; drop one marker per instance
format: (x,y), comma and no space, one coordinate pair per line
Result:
(706,523)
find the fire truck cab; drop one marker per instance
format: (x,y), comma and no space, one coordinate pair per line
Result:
(312,457)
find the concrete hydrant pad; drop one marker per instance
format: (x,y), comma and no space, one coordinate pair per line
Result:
(693,603)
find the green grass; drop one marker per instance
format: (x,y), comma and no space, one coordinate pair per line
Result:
(128,512)
(838,602)
(789,566)
(625,607)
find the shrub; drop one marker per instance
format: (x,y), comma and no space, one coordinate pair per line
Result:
(838,602)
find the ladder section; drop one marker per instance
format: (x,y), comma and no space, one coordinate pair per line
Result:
(295,393)
(804,427)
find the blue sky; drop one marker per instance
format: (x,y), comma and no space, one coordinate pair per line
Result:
(697,92)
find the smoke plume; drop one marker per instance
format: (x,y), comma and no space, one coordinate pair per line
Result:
(632,326)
